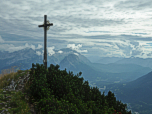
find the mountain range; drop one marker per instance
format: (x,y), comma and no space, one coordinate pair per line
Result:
(128,78)
(74,61)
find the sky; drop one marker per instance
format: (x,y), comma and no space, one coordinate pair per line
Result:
(99,28)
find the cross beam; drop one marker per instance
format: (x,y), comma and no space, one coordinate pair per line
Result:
(45,39)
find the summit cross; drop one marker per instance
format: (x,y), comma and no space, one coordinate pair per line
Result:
(45,38)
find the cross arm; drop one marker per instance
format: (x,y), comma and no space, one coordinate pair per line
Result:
(51,24)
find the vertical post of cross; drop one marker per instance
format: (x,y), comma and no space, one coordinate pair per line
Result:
(45,39)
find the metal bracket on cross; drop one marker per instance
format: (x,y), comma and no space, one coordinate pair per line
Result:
(48,26)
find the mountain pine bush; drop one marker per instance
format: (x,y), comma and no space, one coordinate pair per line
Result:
(57,92)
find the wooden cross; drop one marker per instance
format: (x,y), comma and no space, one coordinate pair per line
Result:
(45,38)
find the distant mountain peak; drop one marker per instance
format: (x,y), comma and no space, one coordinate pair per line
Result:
(72,58)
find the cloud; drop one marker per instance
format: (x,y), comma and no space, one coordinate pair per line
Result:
(73,47)
(103,28)
(60,51)
(1,40)
(38,53)
(76,54)
(11,48)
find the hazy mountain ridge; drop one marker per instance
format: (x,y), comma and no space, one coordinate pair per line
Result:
(107,60)
(70,61)
(106,71)
(135,92)
(139,61)
(73,63)
(119,68)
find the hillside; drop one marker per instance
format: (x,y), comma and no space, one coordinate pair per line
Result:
(137,93)
(51,85)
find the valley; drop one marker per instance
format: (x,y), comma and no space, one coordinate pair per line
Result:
(125,92)
(104,87)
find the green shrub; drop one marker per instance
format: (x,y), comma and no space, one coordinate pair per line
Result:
(58,92)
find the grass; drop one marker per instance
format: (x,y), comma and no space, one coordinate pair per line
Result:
(13,100)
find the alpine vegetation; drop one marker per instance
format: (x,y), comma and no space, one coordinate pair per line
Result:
(54,91)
